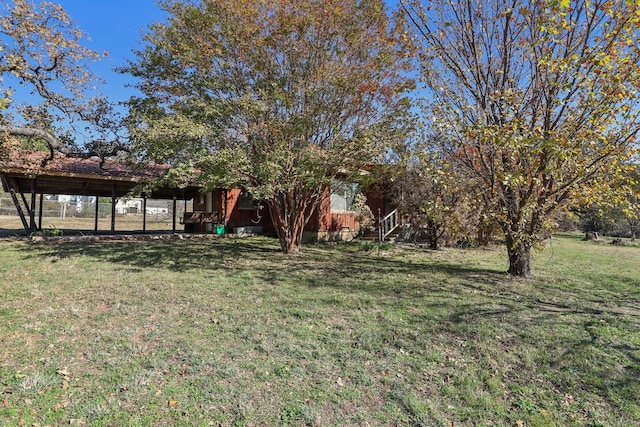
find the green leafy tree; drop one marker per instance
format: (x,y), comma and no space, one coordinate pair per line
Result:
(539,98)
(42,54)
(274,96)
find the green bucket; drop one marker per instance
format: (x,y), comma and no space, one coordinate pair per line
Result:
(218,229)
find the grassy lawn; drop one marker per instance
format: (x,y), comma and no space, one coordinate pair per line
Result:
(231,332)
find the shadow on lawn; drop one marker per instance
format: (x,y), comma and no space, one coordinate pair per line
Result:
(350,269)
(341,266)
(175,255)
(12,232)
(345,267)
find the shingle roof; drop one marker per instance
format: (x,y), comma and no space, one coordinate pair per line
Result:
(72,175)
(30,162)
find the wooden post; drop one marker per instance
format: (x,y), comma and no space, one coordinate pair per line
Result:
(12,191)
(174,214)
(184,211)
(144,214)
(113,209)
(40,212)
(95,225)
(32,209)
(380,227)
(24,200)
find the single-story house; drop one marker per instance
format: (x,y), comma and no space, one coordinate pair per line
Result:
(236,210)
(221,210)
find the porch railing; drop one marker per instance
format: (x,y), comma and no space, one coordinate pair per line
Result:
(387,225)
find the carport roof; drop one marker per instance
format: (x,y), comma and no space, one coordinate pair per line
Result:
(77,176)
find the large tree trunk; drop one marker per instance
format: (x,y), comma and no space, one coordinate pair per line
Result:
(433,235)
(634,230)
(290,212)
(519,258)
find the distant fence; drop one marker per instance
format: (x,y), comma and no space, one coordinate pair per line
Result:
(57,209)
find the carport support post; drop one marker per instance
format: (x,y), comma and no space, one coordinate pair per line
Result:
(95,224)
(174,213)
(144,214)
(32,209)
(12,191)
(40,212)
(113,209)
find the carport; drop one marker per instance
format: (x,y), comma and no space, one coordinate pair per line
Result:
(28,174)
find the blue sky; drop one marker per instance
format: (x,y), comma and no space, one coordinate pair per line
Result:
(115,26)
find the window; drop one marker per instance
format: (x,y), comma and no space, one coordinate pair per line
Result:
(245,200)
(343,196)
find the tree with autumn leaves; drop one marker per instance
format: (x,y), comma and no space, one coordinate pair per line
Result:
(42,54)
(538,98)
(422,184)
(274,96)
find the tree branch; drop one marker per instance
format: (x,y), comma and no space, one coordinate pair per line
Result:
(55,145)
